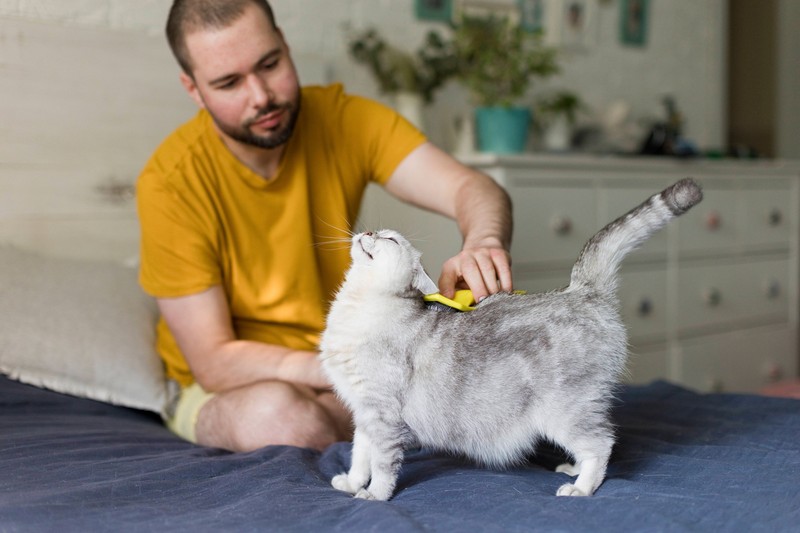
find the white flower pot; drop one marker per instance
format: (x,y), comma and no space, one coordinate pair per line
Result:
(410,105)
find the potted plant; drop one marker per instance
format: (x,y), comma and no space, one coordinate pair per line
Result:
(411,78)
(556,114)
(497,61)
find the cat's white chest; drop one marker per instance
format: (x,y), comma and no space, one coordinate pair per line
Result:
(345,346)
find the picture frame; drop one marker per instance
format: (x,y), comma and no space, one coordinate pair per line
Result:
(577,24)
(434,10)
(633,22)
(532,14)
(508,10)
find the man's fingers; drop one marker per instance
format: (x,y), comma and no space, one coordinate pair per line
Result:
(485,271)
(448,279)
(502,266)
(473,275)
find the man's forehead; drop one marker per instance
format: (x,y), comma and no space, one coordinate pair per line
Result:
(220,51)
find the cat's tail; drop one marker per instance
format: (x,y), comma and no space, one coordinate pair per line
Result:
(599,262)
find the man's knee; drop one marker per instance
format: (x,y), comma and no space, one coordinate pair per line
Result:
(283,413)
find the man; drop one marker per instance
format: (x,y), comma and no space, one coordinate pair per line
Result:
(240,208)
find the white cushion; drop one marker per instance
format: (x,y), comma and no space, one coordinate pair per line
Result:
(83,328)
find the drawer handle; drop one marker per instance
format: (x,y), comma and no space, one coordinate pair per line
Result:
(774,373)
(775,217)
(561,225)
(645,307)
(712,297)
(773,289)
(713,220)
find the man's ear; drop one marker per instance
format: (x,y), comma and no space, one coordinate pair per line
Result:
(421,281)
(191,88)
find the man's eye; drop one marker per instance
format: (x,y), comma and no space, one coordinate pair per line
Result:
(270,65)
(227,85)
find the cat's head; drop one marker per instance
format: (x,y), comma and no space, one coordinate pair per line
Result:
(386,260)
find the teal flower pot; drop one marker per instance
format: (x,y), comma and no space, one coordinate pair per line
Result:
(503,130)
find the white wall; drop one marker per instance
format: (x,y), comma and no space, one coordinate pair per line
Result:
(88,89)
(81,109)
(684,55)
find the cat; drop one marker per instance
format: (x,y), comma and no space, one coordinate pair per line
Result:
(490,383)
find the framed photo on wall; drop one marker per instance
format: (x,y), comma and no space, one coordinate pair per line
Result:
(507,9)
(532,15)
(577,26)
(434,10)
(633,22)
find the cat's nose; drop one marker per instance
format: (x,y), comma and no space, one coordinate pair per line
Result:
(368,233)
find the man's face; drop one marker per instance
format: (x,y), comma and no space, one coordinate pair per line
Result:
(244,76)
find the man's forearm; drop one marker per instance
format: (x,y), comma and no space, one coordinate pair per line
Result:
(483,213)
(239,362)
(201,325)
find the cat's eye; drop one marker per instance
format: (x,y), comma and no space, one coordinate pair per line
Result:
(393,240)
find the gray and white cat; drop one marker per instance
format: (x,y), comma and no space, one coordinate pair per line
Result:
(490,383)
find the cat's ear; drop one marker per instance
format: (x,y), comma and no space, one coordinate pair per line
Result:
(422,282)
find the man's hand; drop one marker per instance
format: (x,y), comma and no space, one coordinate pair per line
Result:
(484,270)
(303,367)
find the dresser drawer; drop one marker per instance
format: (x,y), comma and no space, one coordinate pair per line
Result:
(647,364)
(766,216)
(711,225)
(643,302)
(552,223)
(716,294)
(742,361)
(534,283)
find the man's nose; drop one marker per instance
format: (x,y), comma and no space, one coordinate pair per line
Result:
(259,92)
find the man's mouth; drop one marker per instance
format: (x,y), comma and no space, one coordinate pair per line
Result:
(268,120)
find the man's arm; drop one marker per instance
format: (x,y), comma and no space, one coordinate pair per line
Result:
(201,324)
(432,179)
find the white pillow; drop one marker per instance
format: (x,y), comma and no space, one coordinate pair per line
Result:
(83,328)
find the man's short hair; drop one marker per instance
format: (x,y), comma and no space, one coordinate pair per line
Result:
(187,16)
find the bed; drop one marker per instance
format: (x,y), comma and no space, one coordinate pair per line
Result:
(683,462)
(82,446)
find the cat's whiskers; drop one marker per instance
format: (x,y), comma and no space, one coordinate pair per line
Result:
(334,243)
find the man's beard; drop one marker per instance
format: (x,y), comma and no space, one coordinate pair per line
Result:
(277,138)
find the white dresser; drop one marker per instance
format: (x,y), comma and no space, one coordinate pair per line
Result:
(711,302)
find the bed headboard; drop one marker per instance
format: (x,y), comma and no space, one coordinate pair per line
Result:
(82,109)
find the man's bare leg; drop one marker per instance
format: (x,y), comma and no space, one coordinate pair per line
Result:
(272,412)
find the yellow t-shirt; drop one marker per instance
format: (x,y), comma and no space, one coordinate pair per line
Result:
(206,219)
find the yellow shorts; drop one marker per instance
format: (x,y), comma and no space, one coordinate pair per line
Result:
(184,418)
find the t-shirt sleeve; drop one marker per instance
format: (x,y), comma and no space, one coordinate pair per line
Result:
(378,135)
(177,255)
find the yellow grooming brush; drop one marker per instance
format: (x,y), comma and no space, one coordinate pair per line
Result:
(461,301)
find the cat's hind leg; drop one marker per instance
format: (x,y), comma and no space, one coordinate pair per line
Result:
(592,470)
(358,475)
(568,469)
(591,460)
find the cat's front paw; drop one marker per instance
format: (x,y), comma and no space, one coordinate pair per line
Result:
(342,482)
(569,469)
(570,490)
